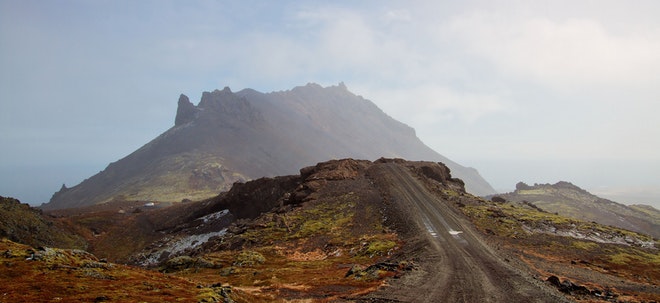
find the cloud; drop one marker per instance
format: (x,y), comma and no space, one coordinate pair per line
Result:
(553,80)
(564,54)
(392,62)
(432,105)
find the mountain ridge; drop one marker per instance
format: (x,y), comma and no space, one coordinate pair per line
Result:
(570,200)
(236,136)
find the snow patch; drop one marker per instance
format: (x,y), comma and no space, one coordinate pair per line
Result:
(455,232)
(214,216)
(193,241)
(592,236)
(430,228)
(177,246)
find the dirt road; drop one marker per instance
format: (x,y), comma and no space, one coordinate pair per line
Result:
(456,265)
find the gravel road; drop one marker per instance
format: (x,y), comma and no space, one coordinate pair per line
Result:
(455,264)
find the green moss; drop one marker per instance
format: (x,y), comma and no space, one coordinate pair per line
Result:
(621,258)
(635,256)
(249,258)
(583,245)
(323,218)
(310,228)
(379,247)
(532,192)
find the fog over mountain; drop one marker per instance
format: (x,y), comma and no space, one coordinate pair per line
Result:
(230,137)
(533,91)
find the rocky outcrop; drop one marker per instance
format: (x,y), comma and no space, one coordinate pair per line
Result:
(224,103)
(185,112)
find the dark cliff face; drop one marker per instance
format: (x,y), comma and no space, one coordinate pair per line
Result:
(185,112)
(236,136)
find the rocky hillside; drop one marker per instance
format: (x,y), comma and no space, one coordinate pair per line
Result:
(572,201)
(21,223)
(237,136)
(340,231)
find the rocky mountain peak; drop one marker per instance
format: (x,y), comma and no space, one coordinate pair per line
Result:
(568,185)
(231,136)
(220,105)
(561,185)
(315,87)
(185,112)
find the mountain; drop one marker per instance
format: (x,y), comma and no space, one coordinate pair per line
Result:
(340,231)
(572,201)
(230,137)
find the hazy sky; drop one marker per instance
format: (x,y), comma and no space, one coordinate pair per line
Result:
(534,91)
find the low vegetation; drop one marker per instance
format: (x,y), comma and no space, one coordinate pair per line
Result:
(572,201)
(305,252)
(321,238)
(60,275)
(22,223)
(582,251)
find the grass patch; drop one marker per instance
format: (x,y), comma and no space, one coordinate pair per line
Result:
(637,257)
(305,252)
(584,245)
(379,247)
(532,192)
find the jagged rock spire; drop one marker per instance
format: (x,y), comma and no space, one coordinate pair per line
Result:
(185,112)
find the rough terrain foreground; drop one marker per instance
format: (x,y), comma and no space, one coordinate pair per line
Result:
(341,231)
(460,267)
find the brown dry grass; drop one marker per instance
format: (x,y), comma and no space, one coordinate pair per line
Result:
(631,272)
(304,254)
(72,277)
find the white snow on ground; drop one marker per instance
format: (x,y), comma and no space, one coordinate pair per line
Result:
(430,228)
(177,246)
(192,241)
(214,216)
(593,236)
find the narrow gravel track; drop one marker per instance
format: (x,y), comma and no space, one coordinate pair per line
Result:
(460,266)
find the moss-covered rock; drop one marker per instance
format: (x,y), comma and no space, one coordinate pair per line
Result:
(249,258)
(185,262)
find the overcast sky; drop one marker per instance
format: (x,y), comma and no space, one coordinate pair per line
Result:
(534,91)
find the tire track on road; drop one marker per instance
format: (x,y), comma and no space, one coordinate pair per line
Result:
(467,270)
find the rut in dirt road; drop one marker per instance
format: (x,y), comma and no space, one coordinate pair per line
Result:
(461,268)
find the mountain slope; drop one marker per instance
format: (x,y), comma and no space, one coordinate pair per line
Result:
(24,224)
(231,137)
(569,200)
